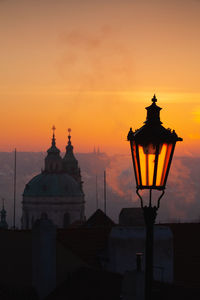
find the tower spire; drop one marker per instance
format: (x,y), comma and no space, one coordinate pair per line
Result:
(53,148)
(70,163)
(69,147)
(69,136)
(53,161)
(53,138)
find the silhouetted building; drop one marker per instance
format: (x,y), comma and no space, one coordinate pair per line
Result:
(29,257)
(3,222)
(132,216)
(56,191)
(99,219)
(125,242)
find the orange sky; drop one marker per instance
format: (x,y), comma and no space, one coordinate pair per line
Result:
(94,66)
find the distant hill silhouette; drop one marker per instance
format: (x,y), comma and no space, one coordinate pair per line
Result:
(181,200)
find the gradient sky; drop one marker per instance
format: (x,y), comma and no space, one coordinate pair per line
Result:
(94,66)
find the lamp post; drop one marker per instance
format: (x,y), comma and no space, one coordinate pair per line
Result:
(152,149)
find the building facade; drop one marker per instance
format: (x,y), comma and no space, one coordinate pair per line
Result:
(57,191)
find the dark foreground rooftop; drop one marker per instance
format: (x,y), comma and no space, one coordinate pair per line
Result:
(89,284)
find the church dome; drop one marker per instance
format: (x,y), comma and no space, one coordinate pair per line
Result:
(56,192)
(52,185)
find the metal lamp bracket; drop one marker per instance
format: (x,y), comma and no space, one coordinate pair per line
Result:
(142,202)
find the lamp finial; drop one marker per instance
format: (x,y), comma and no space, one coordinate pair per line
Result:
(154,99)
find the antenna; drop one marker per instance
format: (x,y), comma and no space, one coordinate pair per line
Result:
(105,191)
(14,198)
(97,201)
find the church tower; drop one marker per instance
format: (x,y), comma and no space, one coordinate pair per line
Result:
(56,191)
(70,163)
(53,160)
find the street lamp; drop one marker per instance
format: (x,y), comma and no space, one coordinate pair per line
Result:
(152,148)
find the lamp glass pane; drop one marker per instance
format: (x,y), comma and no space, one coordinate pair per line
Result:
(167,158)
(151,165)
(147,163)
(143,165)
(150,154)
(163,161)
(136,164)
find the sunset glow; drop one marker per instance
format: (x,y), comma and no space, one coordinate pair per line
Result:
(94,66)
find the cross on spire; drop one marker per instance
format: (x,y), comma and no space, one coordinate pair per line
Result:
(53,128)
